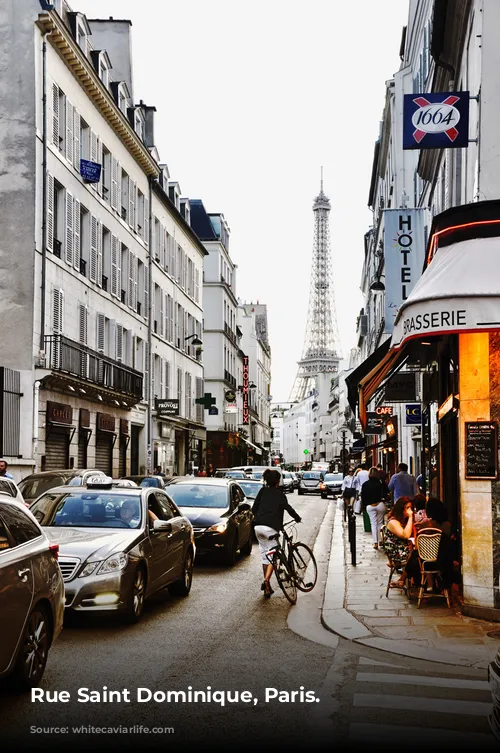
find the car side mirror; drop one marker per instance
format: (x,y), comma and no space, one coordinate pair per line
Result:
(162,525)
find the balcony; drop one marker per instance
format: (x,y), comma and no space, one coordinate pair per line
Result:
(230,334)
(67,356)
(229,378)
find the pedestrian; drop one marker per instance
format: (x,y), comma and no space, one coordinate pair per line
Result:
(268,510)
(348,491)
(383,477)
(371,502)
(360,477)
(403,484)
(3,469)
(158,471)
(420,483)
(202,472)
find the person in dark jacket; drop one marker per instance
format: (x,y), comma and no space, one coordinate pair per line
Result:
(372,492)
(268,510)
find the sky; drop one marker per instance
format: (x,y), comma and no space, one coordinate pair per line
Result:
(252,99)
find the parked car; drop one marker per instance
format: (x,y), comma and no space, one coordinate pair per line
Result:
(220,473)
(158,482)
(236,474)
(117,546)
(287,481)
(31,596)
(332,485)
(310,483)
(9,488)
(37,483)
(296,479)
(494,680)
(256,471)
(124,483)
(251,487)
(220,514)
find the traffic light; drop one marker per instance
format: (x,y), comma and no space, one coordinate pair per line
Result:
(207,400)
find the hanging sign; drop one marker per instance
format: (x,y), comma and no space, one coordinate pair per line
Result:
(436,120)
(90,171)
(404,253)
(413,415)
(246,411)
(375,424)
(166,407)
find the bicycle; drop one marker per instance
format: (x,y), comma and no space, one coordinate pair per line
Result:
(290,560)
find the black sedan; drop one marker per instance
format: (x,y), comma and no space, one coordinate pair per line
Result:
(117,546)
(220,514)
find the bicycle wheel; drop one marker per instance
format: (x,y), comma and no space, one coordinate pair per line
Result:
(285,577)
(302,559)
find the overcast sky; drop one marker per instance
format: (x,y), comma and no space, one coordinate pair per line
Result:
(252,98)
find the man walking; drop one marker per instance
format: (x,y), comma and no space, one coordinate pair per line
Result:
(403,484)
(359,479)
(3,470)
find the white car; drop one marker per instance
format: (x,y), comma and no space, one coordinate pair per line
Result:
(9,488)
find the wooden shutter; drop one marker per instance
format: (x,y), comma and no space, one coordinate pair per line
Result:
(197,285)
(55,115)
(93,249)
(99,254)
(76,139)
(101,333)
(132,191)
(179,389)
(161,315)
(69,229)
(114,183)
(145,224)
(70,144)
(162,245)
(161,369)
(82,323)
(115,288)
(145,313)
(119,342)
(167,379)
(118,188)
(77,233)
(94,154)
(58,311)
(133,270)
(199,393)
(146,371)
(50,212)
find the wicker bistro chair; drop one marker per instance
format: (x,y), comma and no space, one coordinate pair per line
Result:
(427,550)
(396,564)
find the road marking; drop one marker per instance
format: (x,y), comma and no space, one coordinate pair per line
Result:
(410,703)
(441,682)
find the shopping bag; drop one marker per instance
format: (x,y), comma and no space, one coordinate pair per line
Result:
(357,506)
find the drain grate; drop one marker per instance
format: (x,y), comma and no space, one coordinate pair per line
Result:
(493,634)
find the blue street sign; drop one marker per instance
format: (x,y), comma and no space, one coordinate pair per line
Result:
(413,415)
(436,120)
(213,411)
(90,171)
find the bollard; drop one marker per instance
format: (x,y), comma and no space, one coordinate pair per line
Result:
(351,529)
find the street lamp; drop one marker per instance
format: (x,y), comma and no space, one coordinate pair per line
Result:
(195,338)
(377,286)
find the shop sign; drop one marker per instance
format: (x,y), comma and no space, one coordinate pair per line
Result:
(84,418)
(384,410)
(165,408)
(90,171)
(230,396)
(230,408)
(481,449)
(404,253)
(124,427)
(213,411)
(375,424)
(246,411)
(400,387)
(436,120)
(59,413)
(106,422)
(413,414)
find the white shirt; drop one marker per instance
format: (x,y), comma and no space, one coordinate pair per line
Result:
(347,483)
(360,479)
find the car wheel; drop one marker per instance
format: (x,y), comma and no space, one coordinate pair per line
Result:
(182,587)
(246,549)
(33,652)
(231,549)
(137,594)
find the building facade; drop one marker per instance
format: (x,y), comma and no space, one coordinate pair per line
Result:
(105,283)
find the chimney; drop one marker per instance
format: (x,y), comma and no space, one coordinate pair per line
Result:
(114,36)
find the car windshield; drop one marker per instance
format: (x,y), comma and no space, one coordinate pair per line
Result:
(198,495)
(236,474)
(149,482)
(251,490)
(7,488)
(334,477)
(88,509)
(32,488)
(315,475)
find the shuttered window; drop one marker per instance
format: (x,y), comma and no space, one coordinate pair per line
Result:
(50,212)
(197,285)
(93,248)
(145,313)
(77,233)
(70,142)
(114,183)
(58,311)
(132,280)
(77,147)
(161,314)
(145,224)
(146,371)
(199,393)
(69,240)
(55,115)
(132,200)
(119,342)
(168,377)
(99,254)
(83,323)
(188,395)
(179,389)
(161,369)
(100,333)
(116,257)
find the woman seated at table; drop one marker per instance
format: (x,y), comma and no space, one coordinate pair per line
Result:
(397,540)
(420,518)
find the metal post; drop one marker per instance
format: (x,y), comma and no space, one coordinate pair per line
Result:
(351,531)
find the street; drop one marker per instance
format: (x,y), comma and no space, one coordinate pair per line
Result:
(226,636)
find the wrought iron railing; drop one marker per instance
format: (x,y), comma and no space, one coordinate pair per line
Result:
(229,332)
(70,357)
(229,378)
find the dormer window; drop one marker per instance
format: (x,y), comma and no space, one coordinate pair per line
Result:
(122,100)
(139,124)
(103,73)
(102,65)
(81,38)
(81,31)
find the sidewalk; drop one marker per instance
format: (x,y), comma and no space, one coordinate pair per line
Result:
(356,607)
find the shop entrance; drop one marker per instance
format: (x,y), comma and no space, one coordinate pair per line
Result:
(104,452)
(57,448)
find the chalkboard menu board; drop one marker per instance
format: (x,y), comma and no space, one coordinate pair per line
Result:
(481,449)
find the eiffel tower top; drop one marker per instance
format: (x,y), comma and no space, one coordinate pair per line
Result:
(321,201)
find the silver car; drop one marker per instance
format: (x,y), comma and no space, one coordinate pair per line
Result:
(31,596)
(117,545)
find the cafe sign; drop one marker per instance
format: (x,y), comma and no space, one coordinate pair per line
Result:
(59,413)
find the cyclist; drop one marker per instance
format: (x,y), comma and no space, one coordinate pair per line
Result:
(268,509)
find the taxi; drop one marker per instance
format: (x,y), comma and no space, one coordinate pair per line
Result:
(117,545)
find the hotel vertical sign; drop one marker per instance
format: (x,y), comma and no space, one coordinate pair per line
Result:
(404,252)
(246,414)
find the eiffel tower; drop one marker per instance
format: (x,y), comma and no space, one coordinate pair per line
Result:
(321,353)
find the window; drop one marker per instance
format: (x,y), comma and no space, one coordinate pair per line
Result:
(106,174)
(106,258)
(100,333)
(132,203)
(132,280)
(119,342)
(21,528)
(58,218)
(95,271)
(179,388)
(82,256)
(168,377)
(116,266)
(84,140)
(103,73)
(124,196)
(188,395)
(83,316)
(58,118)
(122,101)
(58,311)
(139,124)
(81,38)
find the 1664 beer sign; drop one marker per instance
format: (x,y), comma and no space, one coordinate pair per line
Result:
(436,120)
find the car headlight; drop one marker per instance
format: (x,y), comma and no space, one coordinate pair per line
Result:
(219,528)
(89,569)
(114,563)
